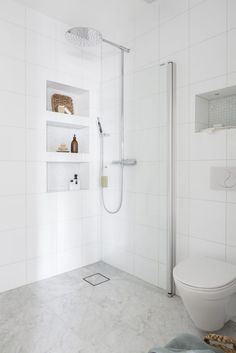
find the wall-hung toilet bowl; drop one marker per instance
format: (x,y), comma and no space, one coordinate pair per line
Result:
(208,290)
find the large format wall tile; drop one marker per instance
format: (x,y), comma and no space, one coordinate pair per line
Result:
(211,25)
(208,59)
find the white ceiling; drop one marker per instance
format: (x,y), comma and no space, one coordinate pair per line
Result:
(100,14)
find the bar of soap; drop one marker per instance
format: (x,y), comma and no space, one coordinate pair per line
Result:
(61,108)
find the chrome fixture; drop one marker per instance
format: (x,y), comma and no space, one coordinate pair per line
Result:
(171,257)
(87,37)
(122,132)
(126,162)
(99,126)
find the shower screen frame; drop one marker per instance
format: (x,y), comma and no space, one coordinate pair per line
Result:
(171,219)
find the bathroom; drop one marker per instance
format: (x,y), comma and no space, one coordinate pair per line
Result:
(92,230)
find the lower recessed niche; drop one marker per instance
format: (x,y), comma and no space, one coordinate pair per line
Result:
(60,174)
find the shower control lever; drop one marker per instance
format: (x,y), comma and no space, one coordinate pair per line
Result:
(126,162)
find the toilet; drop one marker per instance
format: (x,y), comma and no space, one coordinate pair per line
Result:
(208,290)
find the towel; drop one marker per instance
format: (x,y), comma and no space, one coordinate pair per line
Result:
(186,343)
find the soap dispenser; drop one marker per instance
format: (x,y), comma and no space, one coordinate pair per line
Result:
(74,145)
(76,182)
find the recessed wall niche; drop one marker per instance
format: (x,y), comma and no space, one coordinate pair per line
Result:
(61,126)
(216,110)
(79,96)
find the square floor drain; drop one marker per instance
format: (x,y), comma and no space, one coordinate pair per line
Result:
(96,279)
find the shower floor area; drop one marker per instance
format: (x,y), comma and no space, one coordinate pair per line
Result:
(66,314)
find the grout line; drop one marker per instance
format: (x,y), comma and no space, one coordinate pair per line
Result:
(174,17)
(206,240)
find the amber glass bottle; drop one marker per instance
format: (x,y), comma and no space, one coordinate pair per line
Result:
(74,145)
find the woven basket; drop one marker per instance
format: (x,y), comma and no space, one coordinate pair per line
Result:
(59,99)
(226,343)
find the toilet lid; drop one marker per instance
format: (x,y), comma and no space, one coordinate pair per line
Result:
(205,273)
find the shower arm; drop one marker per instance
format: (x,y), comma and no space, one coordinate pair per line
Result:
(116,45)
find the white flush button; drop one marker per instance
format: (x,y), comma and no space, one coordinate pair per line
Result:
(223,178)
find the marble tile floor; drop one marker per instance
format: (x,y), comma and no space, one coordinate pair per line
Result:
(64,314)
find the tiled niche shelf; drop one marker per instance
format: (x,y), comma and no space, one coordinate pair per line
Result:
(61,166)
(57,157)
(59,175)
(79,96)
(216,110)
(70,121)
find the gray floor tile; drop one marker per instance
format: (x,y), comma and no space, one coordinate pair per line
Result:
(64,314)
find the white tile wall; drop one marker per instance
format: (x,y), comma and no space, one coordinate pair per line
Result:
(13,12)
(12,73)
(232,50)
(231,224)
(207,220)
(40,50)
(12,178)
(12,33)
(172,8)
(41,234)
(203,25)
(204,217)
(146,269)
(12,210)
(199,247)
(41,24)
(208,59)
(146,52)
(12,246)
(14,117)
(231,14)
(41,267)
(174,35)
(41,241)
(59,232)
(231,254)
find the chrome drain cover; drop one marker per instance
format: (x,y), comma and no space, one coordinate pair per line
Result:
(96,279)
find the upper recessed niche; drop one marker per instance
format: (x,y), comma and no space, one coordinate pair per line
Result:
(216,110)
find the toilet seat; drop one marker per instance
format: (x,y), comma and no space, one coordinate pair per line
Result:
(210,292)
(205,275)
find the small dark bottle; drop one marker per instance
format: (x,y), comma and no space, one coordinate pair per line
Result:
(74,145)
(76,179)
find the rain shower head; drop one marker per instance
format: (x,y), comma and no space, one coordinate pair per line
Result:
(84,36)
(87,37)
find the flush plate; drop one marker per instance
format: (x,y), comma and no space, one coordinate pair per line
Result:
(223,178)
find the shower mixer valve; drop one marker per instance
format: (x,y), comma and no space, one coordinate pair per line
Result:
(126,162)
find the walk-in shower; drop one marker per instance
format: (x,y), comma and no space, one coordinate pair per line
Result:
(86,37)
(165,199)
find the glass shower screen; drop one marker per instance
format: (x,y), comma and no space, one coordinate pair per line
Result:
(139,238)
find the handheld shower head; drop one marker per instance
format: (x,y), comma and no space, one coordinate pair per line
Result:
(99,126)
